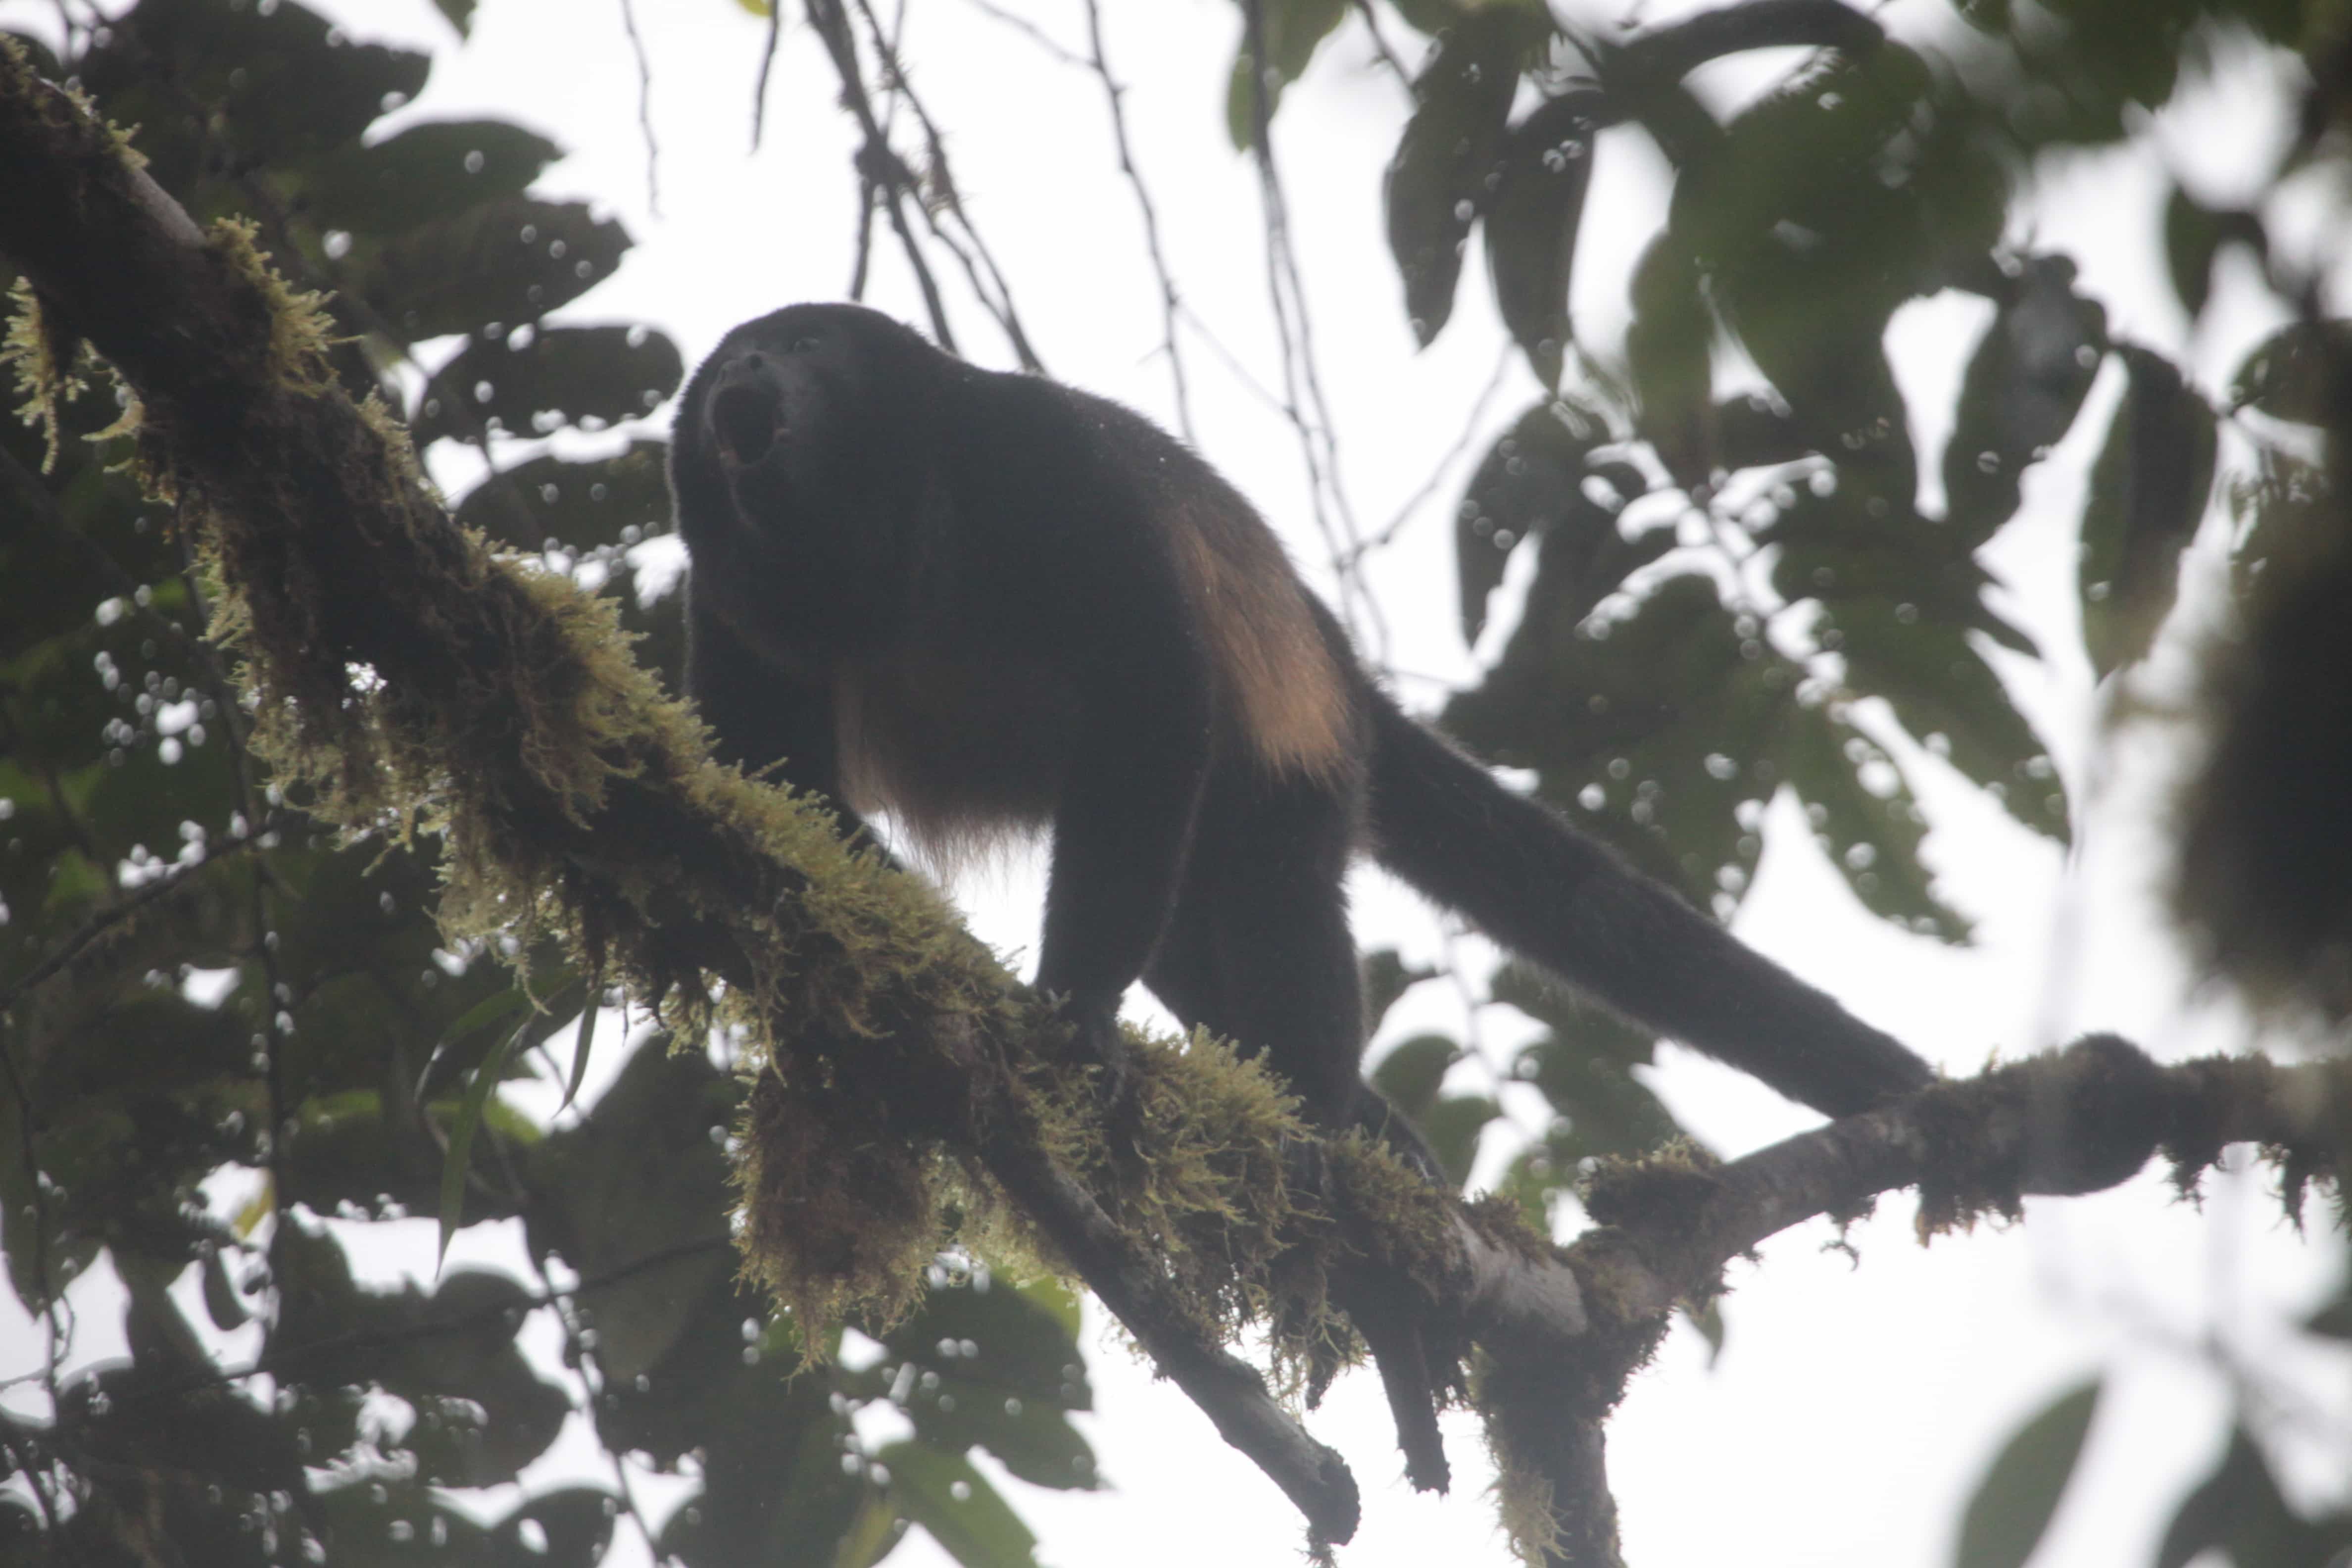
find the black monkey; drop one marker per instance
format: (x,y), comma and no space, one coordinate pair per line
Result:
(984,600)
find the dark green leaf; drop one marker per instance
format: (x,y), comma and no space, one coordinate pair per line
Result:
(275,83)
(581,505)
(2148,490)
(1604,1110)
(221,1303)
(1409,1074)
(1430,16)
(2014,1503)
(1531,223)
(471,1039)
(640,1178)
(1668,350)
(1708,1321)
(559,376)
(1830,202)
(1529,482)
(586,1039)
(946,1496)
(1292,31)
(1670,52)
(1452,1127)
(1438,181)
(1949,698)
(2192,237)
(1872,840)
(461,1137)
(510,261)
(2023,390)
(2298,373)
(2240,1509)
(1386,978)
(575,1527)
(2332,1320)
(424,173)
(1755,432)
(1648,730)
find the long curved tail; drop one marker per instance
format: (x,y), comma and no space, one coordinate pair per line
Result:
(1534,883)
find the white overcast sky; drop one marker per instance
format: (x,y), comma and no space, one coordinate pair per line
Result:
(1855,1404)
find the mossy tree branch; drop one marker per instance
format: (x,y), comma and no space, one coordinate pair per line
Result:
(409,676)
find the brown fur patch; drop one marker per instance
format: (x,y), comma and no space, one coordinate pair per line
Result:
(959,750)
(1276,671)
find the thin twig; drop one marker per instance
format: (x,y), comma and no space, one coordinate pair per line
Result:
(1285,292)
(646,104)
(994,293)
(1034,34)
(866,194)
(876,161)
(1170,304)
(1389,56)
(1462,443)
(766,59)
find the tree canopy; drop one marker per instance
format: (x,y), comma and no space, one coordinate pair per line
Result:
(326,809)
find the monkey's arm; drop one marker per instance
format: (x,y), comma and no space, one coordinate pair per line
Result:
(1103,593)
(763,716)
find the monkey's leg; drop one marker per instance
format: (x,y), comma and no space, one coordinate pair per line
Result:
(1259,951)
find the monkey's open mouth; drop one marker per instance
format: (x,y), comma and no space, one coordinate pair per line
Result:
(747,419)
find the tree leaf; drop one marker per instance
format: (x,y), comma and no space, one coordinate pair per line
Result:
(1530,482)
(2020,1492)
(964,1515)
(1648,729)
(509,260)
(557,377)
(461,1138)
(1531,222)
(1438,180)
(581,505)
(1870,838)
(421,173)
(1452,1126)
(2022,389)
(575,1527)
(2298,373)
(1673,51)
(1756,432)
(1409,1074)
(2147,494)
(1386,979)
(1293,29)
(1668,352)
(640,1175)
(1950,701)
(2192,237)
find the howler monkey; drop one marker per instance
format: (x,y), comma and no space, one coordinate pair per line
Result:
(981,600)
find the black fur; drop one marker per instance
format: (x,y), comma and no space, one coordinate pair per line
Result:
(990,570)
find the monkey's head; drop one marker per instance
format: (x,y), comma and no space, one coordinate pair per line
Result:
(800,449)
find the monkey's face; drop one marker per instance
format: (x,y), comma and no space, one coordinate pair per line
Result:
(798,458)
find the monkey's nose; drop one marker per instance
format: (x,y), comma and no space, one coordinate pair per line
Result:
(746,412)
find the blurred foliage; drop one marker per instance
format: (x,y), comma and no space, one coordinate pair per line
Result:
(236,1049)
